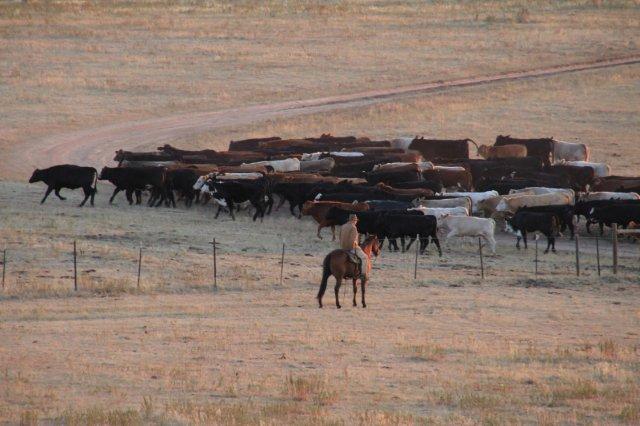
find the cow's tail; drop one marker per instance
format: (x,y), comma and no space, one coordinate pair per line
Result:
(94,187)
(473,142)
(326,273)
(587,153)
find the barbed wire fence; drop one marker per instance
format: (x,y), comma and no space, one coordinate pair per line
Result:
(106,266)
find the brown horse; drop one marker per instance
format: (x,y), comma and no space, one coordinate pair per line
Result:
(337,263)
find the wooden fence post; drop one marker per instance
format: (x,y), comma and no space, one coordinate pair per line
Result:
(282,262)
(536,261)
(577,238)
(139,266)
(615,248)
(75,267)
(598,253)
(4,265)
(415,263)
(481,260)
(215,266)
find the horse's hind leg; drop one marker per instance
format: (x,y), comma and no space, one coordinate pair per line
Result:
(355,290)
(337,291)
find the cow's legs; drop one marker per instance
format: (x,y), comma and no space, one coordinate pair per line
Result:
(281,202)
(436,241)
(333,230)
(320,226)
(57,192)
(492,243)
(115,191)
(402,241)
(601,224)
(87,193)
(94,189)
(553,244)
(336,290)
(128,193)
(524,238)
(138,196)
(411,240)
(218,212)
(230,206)
(46,194)
(355,290)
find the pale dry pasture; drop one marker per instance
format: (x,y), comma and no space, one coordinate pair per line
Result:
(444,348)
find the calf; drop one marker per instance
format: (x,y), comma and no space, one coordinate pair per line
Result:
(564,215)
(467,226)
(233,192)
(527,221)
(67,176)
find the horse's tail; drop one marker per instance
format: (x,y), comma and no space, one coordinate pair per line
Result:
(326,273)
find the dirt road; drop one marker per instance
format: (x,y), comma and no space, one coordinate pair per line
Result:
(96,146)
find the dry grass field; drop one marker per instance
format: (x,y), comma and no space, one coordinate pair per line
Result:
(445,348)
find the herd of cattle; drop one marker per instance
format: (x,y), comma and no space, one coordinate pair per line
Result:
(402,188)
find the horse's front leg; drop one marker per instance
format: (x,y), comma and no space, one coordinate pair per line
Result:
(363,285)
(355,290)
(337,291)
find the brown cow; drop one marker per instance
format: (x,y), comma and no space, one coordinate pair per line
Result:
(451,178)
(505,151)
(318,210)
(414,192)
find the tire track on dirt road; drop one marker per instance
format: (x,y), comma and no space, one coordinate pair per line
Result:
(96,146)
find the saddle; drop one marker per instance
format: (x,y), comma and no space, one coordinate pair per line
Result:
(353,258)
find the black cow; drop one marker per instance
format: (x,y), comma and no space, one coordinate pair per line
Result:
(182,181)
(67,176)
(257,192)
(138,179)
(564,214)
(622,215)
(584,208)
(526,221)
(296,193)
(433,185)
(541,147)
(409,225)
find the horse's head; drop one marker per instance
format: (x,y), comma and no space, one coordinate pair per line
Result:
(373,242)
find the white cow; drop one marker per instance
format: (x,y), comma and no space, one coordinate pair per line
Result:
(511,205)
(539,190)
(450,168)
(287,165)
(475,197)
(570,151)
(468,226)
(422,166)
(446,202)
(401,143)
(439,212)
(225,176)
(316,155)
(592,196)
(599,169)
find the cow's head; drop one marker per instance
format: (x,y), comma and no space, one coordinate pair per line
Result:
(105,173)
(119,156)
(36,176)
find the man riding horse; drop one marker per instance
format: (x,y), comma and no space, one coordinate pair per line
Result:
(350,261)
(350,241)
